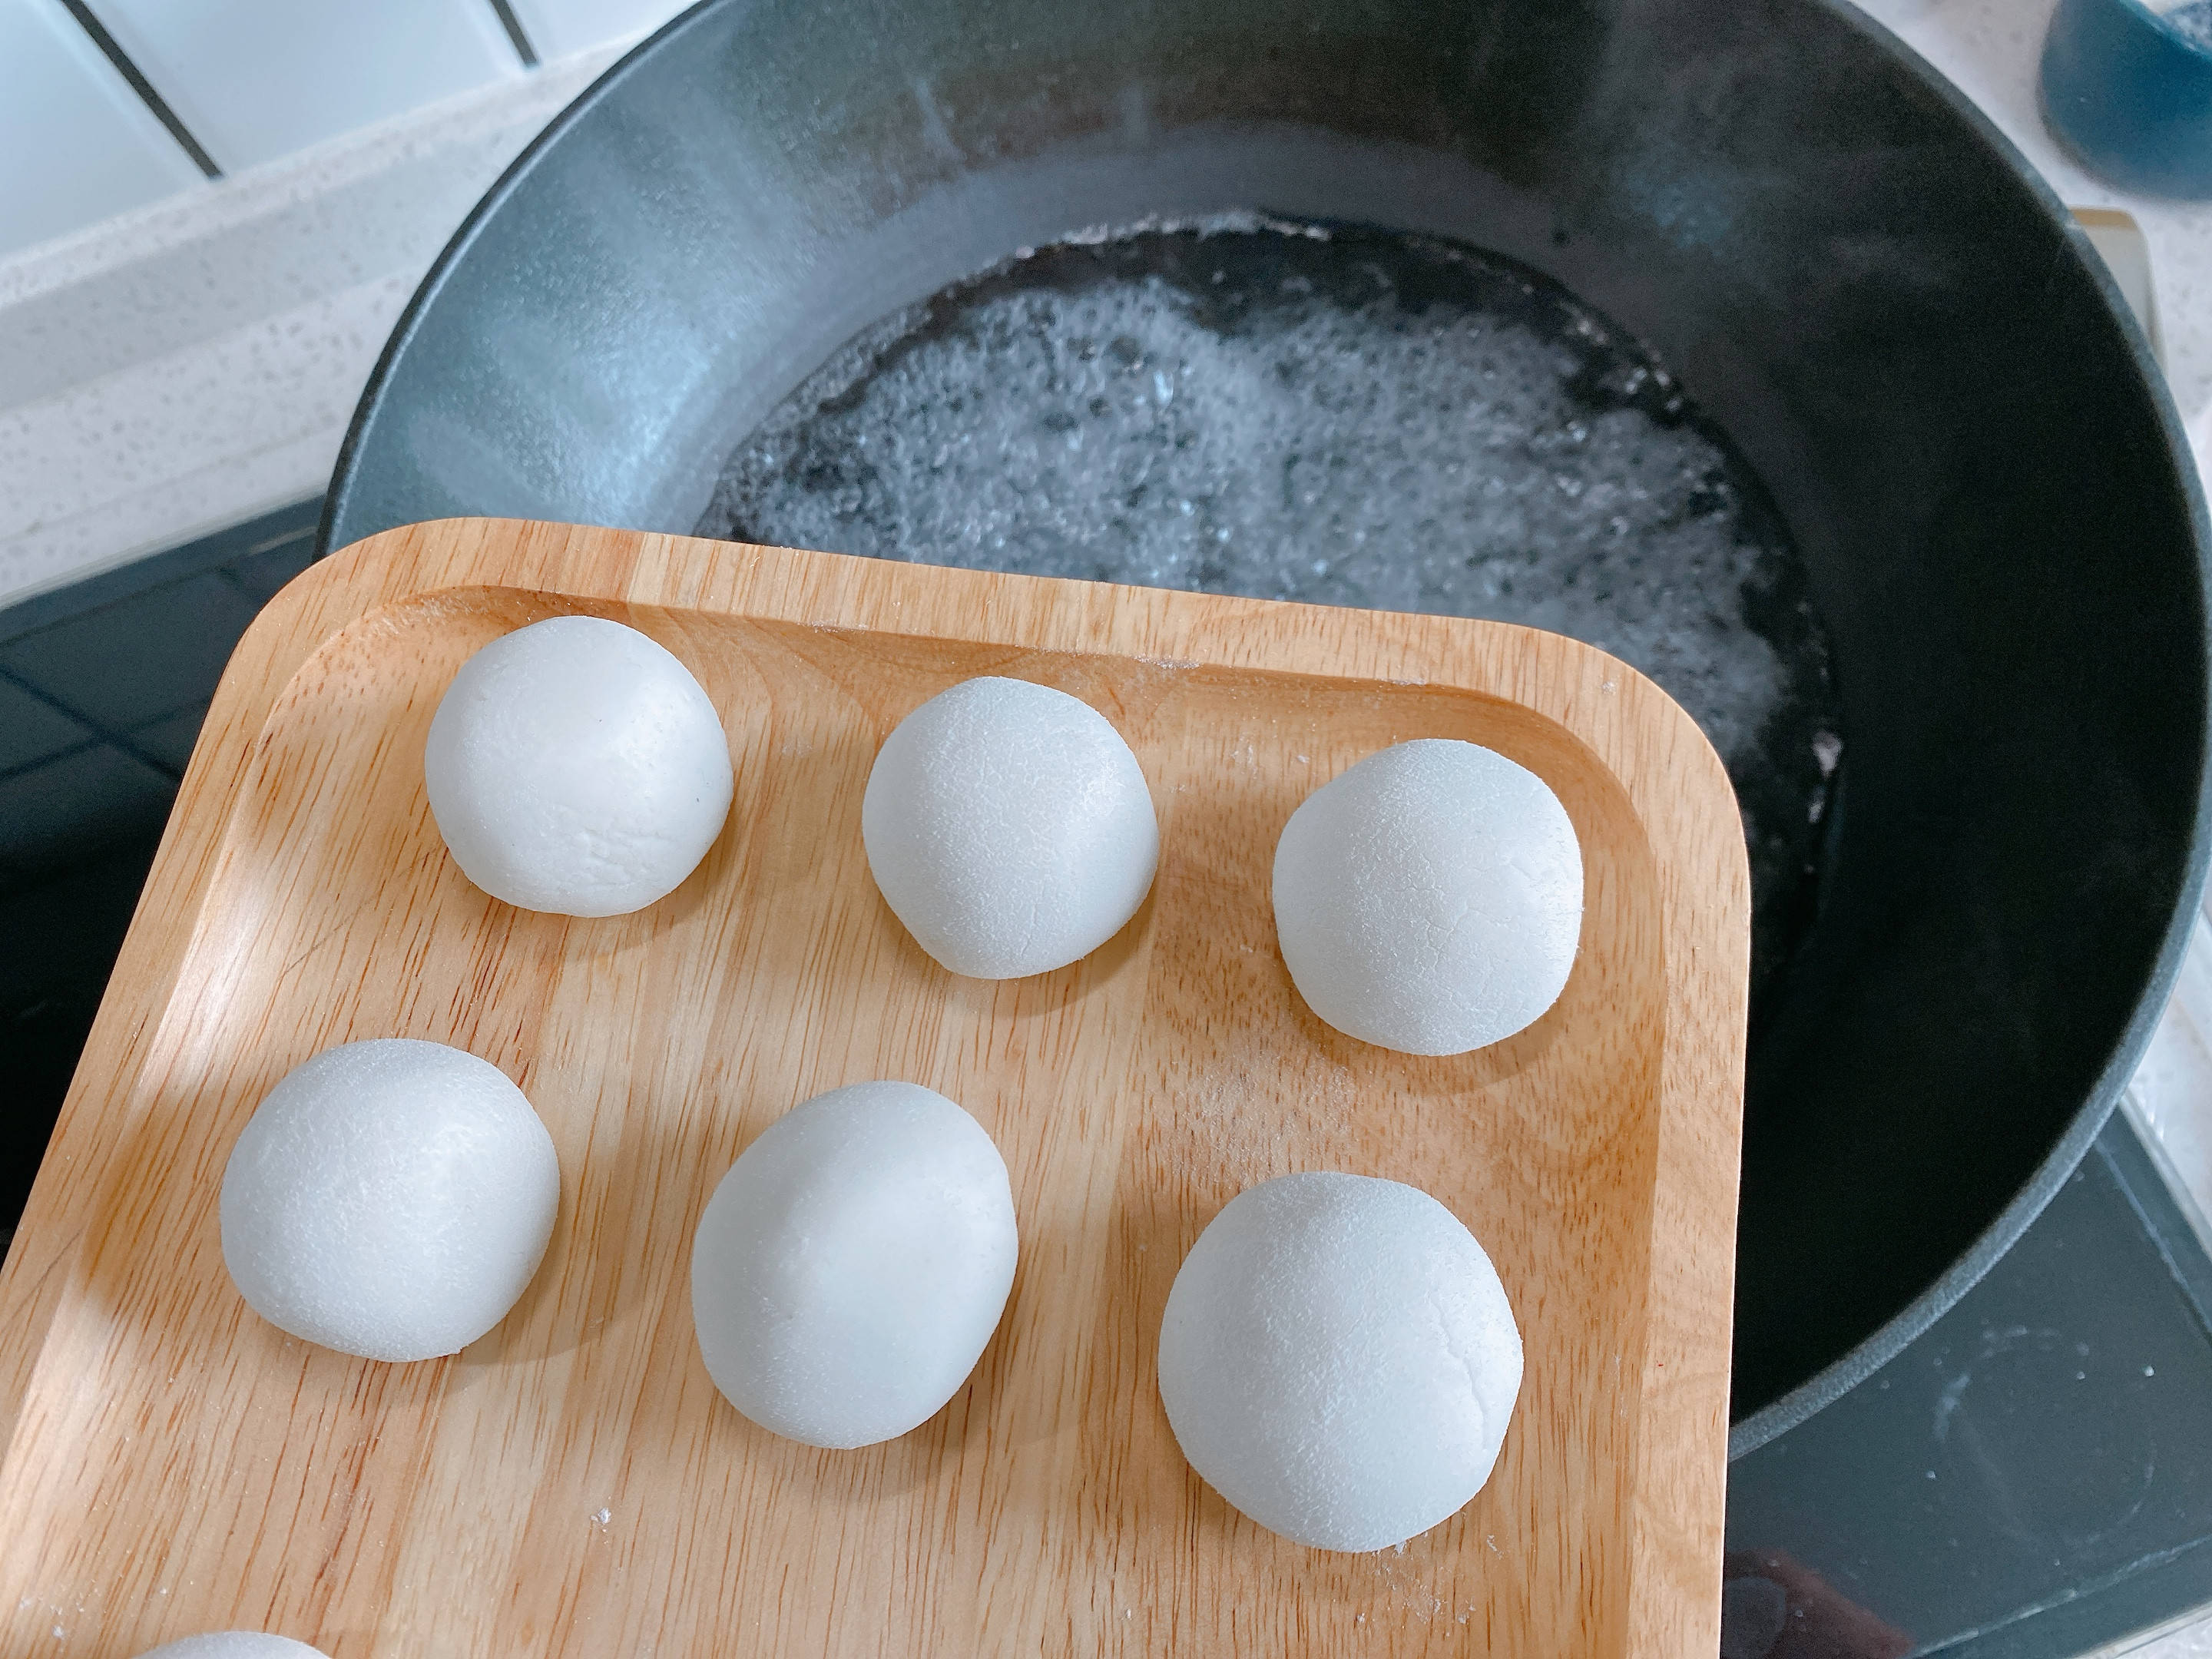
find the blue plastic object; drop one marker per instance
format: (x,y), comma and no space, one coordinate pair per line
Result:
(2130,92)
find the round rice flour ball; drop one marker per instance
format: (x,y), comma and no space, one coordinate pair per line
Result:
(1430,899)
(1339,1361)
(575,766)
(233,1644)
(1010,827)
(853,1264)
(389,1199)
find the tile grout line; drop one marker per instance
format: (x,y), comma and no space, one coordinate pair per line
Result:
(516,34)
(104,732)
(156,104)
(99,728)
(68,753)
(120,583)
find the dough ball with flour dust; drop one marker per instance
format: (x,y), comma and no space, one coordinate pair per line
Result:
(233,1644)
(389,1198)
(1010,827)
(1429,899)
(575,766)
(853,1263)
(1339,1360)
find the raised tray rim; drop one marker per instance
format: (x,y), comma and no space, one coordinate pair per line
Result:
(1674,782)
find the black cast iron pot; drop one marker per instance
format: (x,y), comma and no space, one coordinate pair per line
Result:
(1848,269)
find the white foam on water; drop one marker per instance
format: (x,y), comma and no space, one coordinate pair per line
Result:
(1343,417)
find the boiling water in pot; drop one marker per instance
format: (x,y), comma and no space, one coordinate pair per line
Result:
(1341,416)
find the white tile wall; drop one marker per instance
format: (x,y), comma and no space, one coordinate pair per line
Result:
(252,80)
(185,367)
(557,28)
(76,144)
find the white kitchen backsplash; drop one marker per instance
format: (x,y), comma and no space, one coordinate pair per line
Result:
(557,28)
(191,364)
(252,81)
(76,144)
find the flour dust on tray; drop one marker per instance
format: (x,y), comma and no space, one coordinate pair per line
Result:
(1340,415)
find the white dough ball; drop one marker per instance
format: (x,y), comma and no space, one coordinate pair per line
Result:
(1338,1359)
(853,1264)
(1430,899)
(389,1199)
(233,1644)
(575,766)
(1010,827)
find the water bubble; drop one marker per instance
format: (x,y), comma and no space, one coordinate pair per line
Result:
(1365,419)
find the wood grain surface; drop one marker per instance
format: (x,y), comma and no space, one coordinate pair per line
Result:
(572,1485)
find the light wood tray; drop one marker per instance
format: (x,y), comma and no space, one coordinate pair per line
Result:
(572,1485)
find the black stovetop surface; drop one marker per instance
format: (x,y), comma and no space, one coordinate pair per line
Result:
(2031,1478)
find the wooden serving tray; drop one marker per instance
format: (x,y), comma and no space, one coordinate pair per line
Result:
(572,1485)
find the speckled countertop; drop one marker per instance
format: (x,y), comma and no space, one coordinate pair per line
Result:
(181,368)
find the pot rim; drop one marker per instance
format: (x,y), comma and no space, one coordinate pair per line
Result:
(1888,1339)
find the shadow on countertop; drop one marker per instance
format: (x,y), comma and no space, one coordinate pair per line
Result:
(103,686)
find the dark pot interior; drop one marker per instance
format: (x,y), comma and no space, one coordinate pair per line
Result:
(1845,268)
